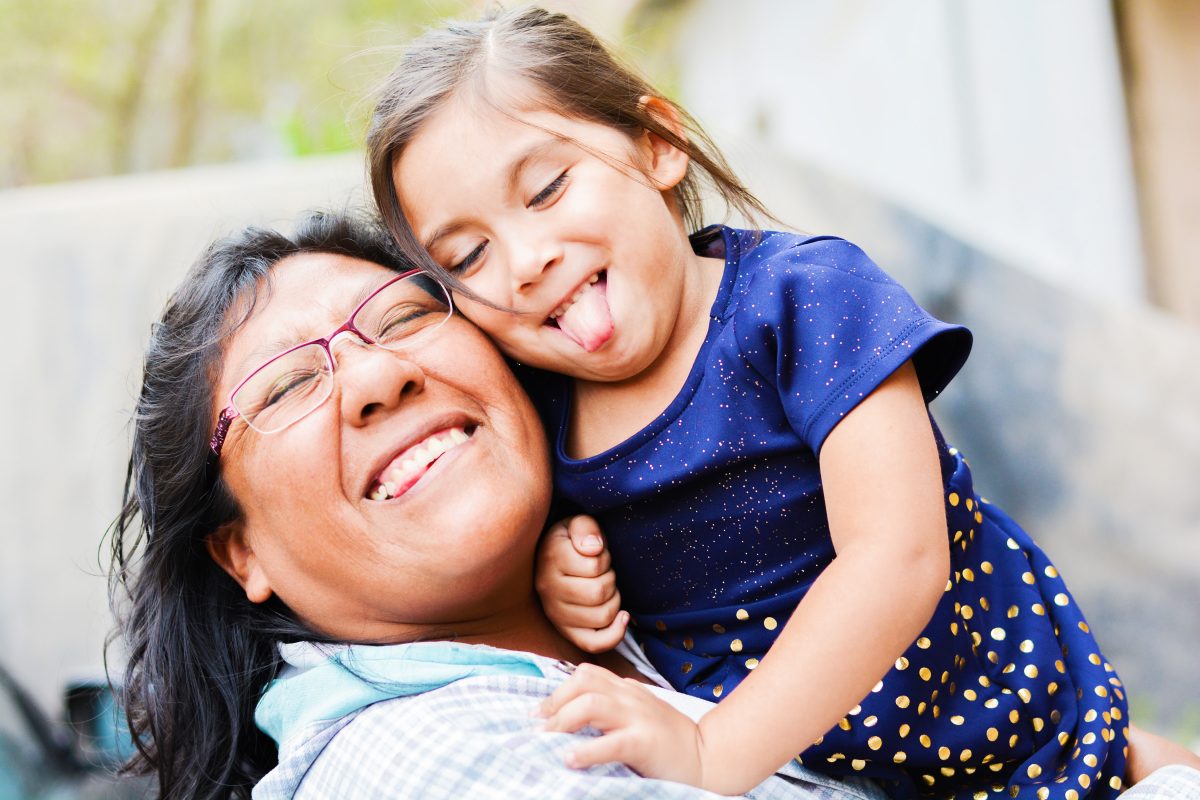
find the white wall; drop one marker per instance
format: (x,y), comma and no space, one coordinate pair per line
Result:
(1002,122)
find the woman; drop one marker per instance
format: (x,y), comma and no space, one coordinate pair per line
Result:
(325,457)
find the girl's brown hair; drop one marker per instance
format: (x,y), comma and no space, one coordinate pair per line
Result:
(574,74)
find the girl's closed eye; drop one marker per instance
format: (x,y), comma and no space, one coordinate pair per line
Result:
(471,259)
(550,192)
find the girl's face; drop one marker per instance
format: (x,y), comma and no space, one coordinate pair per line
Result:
(457,545)
(569,224)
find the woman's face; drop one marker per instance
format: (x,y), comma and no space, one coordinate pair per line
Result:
(456,546)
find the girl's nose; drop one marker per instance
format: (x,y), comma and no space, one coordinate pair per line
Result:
(372,380)
(531,258)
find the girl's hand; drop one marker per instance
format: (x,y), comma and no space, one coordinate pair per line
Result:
(639,729)
(578,587)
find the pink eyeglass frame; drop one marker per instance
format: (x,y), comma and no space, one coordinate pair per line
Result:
(229,413)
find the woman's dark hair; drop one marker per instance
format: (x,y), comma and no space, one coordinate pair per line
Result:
(571,71)
(199,653)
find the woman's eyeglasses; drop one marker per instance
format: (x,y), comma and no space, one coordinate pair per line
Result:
(296,382)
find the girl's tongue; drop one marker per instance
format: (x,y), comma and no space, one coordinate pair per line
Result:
(588,322)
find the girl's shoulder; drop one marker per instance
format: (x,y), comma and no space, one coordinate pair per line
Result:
(785,255)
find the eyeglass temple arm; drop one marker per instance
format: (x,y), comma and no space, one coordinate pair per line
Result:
(218,437)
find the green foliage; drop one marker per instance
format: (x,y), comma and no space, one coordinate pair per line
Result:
(96,87)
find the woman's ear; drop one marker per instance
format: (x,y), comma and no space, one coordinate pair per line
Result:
(666,165)
(230,549)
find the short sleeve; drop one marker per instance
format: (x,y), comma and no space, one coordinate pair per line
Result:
(826,326)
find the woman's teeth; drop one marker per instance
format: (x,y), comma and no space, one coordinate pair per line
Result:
(405,470)
(558,312)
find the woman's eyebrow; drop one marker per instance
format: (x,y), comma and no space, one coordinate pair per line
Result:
(531,154)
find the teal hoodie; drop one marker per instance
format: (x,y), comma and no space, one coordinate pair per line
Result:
(320,684)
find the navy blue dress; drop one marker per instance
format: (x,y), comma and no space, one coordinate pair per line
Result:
(716,522)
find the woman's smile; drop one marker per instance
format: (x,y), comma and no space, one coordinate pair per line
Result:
(415,461)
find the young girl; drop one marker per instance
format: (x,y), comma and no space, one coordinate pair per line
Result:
(745,413)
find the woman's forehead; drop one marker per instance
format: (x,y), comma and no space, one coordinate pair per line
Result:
(303,297)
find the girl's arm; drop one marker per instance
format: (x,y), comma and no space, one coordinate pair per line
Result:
(883,494)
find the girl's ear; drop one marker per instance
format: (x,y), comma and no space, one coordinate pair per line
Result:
(666,165)
(231,550)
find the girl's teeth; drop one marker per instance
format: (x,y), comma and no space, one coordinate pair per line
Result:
(558,312)
(380,493)
(458,436)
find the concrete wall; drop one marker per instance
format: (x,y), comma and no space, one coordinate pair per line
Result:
(88,266)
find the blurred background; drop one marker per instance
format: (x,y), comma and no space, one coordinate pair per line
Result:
(1029,169)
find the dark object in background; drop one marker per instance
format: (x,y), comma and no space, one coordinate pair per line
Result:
(76,760)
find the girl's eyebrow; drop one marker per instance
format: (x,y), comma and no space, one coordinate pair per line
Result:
(520,163)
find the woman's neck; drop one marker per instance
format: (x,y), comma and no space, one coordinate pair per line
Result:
(520,628)
(524,627)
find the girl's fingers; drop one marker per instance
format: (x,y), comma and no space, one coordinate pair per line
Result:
(615,746)
(585,535)
(586,591)
(596,708)
(586,678)
(558,555)
(599,640)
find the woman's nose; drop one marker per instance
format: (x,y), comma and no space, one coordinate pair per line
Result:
(531,257)
(372,380)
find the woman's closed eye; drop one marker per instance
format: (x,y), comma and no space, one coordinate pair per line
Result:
(288,387)
(549,193)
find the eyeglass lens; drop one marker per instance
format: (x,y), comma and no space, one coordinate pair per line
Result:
(295,383)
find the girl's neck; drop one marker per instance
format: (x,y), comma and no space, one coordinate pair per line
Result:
(604,414)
